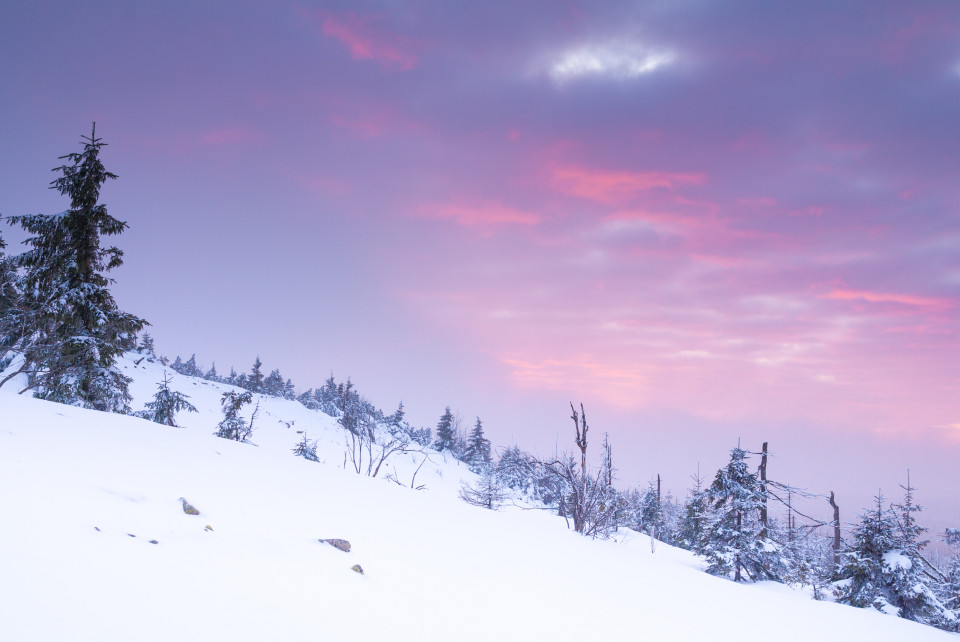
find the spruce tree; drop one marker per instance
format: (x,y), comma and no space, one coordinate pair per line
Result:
(146,347)
(233,426)
(884,568)
(190,368)
(166,404)
(446,434)
(255,380)
(733,543)
(273,384)
(71,331)
(949,589)
(696,516)
(477,454)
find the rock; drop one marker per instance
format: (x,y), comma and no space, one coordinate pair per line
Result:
(340,544)
(188,508)
(153,541)
(356,568)
(208,527)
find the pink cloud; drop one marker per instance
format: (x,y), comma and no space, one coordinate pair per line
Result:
(591,376)
(886,297)
(485,214)
(617,187)
(366,42)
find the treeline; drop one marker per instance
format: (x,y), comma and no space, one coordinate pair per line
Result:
(730,523)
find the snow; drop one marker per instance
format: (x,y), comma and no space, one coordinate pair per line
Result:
(83,493)
(896,559)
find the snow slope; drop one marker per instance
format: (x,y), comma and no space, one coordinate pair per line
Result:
(83,494)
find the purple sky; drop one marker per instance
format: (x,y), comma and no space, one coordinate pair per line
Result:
(704,220)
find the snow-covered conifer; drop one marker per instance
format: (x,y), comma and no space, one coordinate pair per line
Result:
(696,516)
(190,368)
(233,426)
(732,543)
(71,331)
(146,348)
(883,567)
(446,433)
(477,454)
(306,449)
(273,384)
(255,380)
(166,404)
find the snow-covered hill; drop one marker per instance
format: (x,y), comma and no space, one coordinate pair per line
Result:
(95,545)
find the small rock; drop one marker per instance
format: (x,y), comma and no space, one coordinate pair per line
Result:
(340,544)
(188,508)
(153,541)
(356,568)
(208,527)
(130,535)
(97,528)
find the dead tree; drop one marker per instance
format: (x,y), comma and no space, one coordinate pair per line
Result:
(836,531)
(763,492)
(591,502)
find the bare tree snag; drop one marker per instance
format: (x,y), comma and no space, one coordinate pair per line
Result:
(763,491)
(836,531)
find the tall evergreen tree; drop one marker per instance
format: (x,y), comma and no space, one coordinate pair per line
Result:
(733,543)
(72,332)
(191,369)
(255,380)
(446,434)
(696,515)
(477,454)
(273,384)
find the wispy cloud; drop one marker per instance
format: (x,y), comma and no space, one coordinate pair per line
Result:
(888,297)
(481,215)
(590,376)
(616,60)
(612,187)
(366,41)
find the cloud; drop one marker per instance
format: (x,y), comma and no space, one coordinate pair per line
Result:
(365,42)
(484,214)
(620,61)
(624,386)
(616,187)
(886,297)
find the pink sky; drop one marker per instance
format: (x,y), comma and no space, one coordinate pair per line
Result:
(706,223)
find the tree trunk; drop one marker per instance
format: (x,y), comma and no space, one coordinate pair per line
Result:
(763,492)
(836,531)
